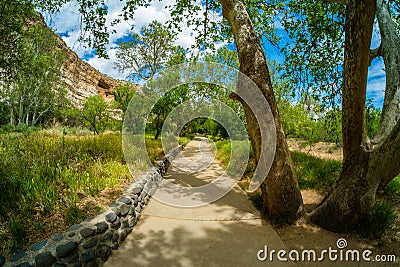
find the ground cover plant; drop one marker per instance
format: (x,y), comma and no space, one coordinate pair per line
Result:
(46,177)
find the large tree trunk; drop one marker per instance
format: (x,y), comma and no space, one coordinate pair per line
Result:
(391,55)
(353,195)
(280,191)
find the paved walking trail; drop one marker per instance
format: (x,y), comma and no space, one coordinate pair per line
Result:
(227,232)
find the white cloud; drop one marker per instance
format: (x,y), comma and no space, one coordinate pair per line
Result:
(376,37)
(105,65)
(155,12)
(376,82)
(67,23)
(66,20)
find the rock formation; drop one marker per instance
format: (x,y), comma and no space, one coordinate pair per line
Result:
(81,79)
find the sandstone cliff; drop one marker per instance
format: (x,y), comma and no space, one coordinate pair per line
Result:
(81,79)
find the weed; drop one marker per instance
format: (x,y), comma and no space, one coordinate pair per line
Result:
(257,200)
(74,215)
(313,172)
(393,187)
(381,218)
(223,151)
(154,149)
(42,171)
(18,233)
(185,139)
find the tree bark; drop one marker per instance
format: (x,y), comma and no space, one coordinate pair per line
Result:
(391,56)
(157,127)
(280,191)
(353,195)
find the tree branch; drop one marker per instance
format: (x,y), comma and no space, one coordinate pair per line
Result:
(340,2)
(391,56)
(389,151)
(374,53)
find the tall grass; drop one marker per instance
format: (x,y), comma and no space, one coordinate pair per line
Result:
(380,219)
(42,173)
(311,172)
(315,173)
(393,187)
(223,152)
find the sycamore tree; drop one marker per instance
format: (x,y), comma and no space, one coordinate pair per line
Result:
(13,17)
(340,30)
(95,114)
(332,52)
(145,53)
(33,91)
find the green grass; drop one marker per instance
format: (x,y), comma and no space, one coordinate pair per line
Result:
(74,215)
(44,173)
(236,164)
(315,173)
(185,139)
(312,172)
(223,152)
(381,218)
(393,187)
(154,148)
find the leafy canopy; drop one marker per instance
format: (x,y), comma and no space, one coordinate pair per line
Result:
(146,53)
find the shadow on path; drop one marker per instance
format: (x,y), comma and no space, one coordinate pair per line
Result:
(227,232)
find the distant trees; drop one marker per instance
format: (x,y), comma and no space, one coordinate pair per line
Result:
(141,58)
(14,15)
(32,90)
(145,53)
(95,114)
(122,96)
(372,118)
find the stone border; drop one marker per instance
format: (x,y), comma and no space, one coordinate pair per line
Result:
(91,242)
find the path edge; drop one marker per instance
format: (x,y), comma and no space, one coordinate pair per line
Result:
(92,242)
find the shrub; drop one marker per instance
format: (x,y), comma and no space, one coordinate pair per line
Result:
(74,215)
(381,218)
(313,172)
(43,172)
(257,200)
(393,187)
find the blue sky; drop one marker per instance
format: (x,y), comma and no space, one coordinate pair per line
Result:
(66,24)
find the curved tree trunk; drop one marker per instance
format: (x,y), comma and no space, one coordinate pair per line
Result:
(391,105)
(353,195)
(391,55)
(280,191)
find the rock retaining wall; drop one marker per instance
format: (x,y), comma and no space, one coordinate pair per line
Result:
(91,242)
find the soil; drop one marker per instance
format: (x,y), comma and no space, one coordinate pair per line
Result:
(299,236)
(57,223)
(321,150)
(304,235)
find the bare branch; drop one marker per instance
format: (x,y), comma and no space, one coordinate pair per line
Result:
(374,53)
(340,2)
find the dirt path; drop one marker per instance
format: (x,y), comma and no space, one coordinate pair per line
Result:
(320,150)
(304,235)
(227,232)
